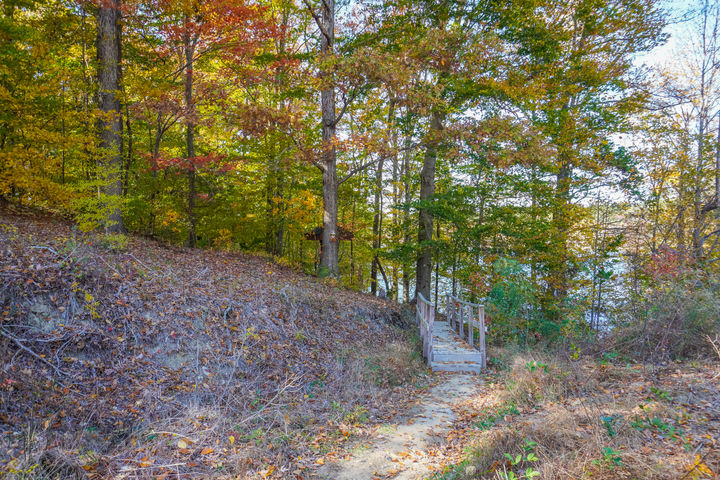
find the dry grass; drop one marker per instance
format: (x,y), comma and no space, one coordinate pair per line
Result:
(590,419)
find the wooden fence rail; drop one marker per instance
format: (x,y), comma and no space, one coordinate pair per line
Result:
(425,317)
(464,317)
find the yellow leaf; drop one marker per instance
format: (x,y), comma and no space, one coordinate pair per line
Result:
(320,461)
(269,471)
(182,443)
(206,451)
(232,439)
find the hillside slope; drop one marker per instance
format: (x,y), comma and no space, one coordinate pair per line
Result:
(148,361)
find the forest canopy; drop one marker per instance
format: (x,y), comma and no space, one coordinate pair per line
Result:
(557,160)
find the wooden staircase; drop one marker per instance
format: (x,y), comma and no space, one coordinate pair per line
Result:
(451,353)
(450,346)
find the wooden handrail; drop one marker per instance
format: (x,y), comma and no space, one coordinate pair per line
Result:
(455,312)
(425,317)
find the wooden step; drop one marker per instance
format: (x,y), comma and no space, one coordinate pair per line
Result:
(466,367)
(452,353)
(456,356)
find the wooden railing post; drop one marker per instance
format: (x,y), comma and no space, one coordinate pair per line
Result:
(425,336)
(453,307)
(425,314)
(471,326)
(431,325)
(448,311)
(456,312)
(427,332)
(483,350)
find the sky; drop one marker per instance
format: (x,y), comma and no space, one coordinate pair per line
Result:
(677,28)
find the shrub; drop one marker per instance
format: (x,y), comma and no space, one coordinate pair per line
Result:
(116,242)
(680,309)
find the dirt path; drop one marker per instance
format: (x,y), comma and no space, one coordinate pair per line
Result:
(399,451)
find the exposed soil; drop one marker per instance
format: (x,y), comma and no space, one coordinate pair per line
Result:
(403,450)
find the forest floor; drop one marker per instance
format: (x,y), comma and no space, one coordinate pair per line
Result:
(551,417)
(559,417)
(130,359)
(126,358)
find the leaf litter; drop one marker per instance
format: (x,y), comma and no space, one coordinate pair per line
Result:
(164,362)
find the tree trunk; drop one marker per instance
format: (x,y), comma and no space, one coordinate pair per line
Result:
(559,268)
(699,212)
(377,225)
(716,202)
(406,217)
(427,190)
(271,206)
(87,161)
(128,162)
(396,217)
(156,156)
(190,134)
(329,262)
(110,121)
(437,268)
(352,246)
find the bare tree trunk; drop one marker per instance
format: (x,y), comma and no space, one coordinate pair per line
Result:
(271,205)
(427,190)
(377,225)
(156,155)
(110,121)
(681,205)
(559,268)
(406,216)
(716,202)
(329,261)
(64,137)
(87,163)
(128,163)
(699,213)
(396,217)
(352,246)
(280,218)
(190,134)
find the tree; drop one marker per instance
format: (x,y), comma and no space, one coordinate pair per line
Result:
(109,48)
(577,84)
(325,21)
(423,274)
(191,30)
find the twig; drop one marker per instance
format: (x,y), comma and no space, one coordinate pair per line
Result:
(290,383)
(49,249)
(20,344)
(141,263)
(110,266)
(716,347)
(160,432)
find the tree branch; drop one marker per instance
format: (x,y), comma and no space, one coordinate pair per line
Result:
(318,21)
(362,167)
(346,102)
(22,346)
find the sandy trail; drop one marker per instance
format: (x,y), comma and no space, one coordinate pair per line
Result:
(399,451)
